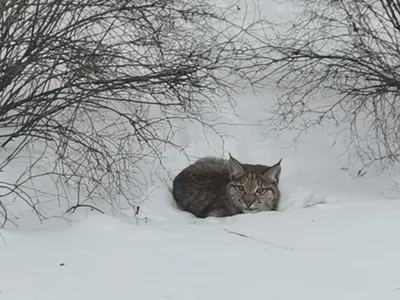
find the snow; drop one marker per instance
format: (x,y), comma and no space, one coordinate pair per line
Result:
(337,253)
(335,236)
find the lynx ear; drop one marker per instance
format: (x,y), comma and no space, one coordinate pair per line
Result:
(274,172)
(235,168)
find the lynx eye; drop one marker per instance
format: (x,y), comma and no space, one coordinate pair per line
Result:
(240,188)
(261,190)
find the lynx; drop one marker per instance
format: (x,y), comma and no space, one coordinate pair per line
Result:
(220,188)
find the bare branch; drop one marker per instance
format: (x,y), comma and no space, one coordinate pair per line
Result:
(93,89)
(339,63)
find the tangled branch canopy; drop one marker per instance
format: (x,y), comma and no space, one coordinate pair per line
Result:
(96,85)
(339,62)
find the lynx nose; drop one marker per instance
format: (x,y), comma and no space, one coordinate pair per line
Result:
(249,200)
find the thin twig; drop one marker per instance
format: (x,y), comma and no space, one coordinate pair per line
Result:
(75,207)
(260,241)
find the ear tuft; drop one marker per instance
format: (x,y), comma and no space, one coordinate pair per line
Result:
(274,172)
(235,167)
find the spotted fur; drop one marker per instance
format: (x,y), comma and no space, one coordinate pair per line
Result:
(219,187)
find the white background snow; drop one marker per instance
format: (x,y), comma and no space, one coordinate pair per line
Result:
(336,236)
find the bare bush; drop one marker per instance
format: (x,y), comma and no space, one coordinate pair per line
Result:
(90,88)
(339,62)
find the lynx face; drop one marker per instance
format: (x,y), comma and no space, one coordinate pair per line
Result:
(252,192)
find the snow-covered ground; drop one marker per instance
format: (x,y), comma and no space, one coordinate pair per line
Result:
(335,236)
